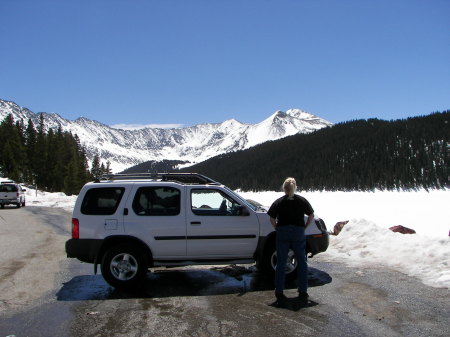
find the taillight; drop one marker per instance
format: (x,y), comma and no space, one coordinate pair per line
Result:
(75,228)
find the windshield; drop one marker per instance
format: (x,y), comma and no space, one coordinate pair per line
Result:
(241,199)
(8,188)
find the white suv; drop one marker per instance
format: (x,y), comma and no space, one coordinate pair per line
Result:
(11,194)
(130,223)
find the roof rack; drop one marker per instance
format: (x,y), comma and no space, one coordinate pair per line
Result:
(184,178)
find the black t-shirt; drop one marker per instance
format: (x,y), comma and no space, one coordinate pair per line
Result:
(290,211)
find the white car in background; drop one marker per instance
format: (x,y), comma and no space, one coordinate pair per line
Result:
(11,194)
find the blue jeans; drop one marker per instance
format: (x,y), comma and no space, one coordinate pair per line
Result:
(292,237)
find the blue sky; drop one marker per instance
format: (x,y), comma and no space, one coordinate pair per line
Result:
(185,62)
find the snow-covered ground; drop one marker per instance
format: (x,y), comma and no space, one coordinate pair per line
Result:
(366,240)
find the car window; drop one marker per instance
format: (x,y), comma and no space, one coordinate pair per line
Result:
(102,201)
(157,201)
(8,188)
(213,202)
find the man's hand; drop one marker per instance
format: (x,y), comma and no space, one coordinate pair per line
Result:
(273,222)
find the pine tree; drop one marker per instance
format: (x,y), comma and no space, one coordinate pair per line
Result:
(59,159)
(40,156)
(9,164)
(108,169)
(71,179)
(12,153)
(30,148)
(96,170)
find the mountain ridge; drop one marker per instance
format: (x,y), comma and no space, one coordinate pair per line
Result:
(357,155)
(193,144)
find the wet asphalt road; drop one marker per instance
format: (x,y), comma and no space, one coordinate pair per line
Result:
(223,301)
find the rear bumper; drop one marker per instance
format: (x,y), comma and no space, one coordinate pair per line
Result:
(85,250)
(9,201)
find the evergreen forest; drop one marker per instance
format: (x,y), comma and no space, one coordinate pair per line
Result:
(52,160)
(359,155)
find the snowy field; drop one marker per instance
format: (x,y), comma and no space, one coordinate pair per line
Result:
(366,240)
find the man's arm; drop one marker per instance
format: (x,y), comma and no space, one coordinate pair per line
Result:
(310,219)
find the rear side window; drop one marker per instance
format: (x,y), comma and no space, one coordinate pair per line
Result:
(102,201)
(157,201)
(8,188)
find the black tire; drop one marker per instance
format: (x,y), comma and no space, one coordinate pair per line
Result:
(124,266)
(269,262)
(18,205)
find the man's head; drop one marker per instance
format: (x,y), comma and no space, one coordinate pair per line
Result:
(289,187)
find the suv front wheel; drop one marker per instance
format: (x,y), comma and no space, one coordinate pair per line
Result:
(269,262)
(124,266)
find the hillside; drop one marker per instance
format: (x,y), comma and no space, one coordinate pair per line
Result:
(154,167)
(126,148)
(354,155)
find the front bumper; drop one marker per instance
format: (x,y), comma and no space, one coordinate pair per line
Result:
(317,243)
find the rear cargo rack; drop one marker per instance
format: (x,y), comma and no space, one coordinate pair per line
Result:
(184,178)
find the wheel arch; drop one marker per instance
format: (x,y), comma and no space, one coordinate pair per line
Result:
(261,251)
(115,240)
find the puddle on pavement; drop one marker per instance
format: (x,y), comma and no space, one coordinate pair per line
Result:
(174,282)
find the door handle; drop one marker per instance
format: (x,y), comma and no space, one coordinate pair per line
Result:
(196,223)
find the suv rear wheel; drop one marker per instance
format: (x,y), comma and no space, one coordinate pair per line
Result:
(124,266)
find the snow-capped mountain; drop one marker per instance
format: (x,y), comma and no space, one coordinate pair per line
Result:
(126,148)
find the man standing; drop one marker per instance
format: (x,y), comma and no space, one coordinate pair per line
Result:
(287,217)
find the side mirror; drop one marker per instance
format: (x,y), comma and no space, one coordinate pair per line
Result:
(242,211)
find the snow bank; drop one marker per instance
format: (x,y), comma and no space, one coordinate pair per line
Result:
(47,199)
(362,242)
